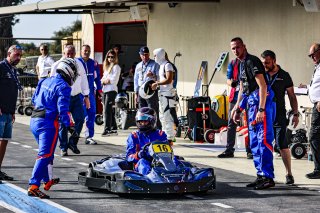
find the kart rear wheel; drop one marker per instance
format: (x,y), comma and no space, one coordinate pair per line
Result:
(209,136)
(20,110)
(298,150)
(99,119)
(28,110)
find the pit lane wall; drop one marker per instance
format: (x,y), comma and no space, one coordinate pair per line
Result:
(200,31)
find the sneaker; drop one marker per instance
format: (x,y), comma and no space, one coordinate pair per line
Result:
(256,182)
(113,132)
(265,184)
(249,155)
(50,183)
(313,175)
(226,155)
(90,141)
(105,133)
(34,191)
(4,176)
(64,153)
(74,148)
(289,179)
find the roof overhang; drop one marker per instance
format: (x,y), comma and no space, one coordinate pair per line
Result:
(80,6)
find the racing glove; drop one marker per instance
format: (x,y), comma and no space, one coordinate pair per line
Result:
(142,154)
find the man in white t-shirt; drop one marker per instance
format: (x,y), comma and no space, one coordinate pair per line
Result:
(44,63)
(167,94)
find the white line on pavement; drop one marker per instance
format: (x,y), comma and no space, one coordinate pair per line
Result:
(222,205)
(67,159)
(14,142)
(194,197)
(82,163)
(11,208)
(26,146)
(37,150)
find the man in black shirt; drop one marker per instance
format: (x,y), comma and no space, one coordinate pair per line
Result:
(9,85)
(281,82)
(255,96)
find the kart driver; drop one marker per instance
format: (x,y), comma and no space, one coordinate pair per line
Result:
(51,102)
(147,132)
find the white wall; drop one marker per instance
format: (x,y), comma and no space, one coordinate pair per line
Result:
(200,31)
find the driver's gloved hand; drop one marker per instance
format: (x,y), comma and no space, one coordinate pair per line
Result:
(142,154)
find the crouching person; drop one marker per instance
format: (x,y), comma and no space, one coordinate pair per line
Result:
(51,101)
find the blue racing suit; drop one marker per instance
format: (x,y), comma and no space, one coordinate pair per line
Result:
(135,142)
(51,101)
(93,75)
(261,134)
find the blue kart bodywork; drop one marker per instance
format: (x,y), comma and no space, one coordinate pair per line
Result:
(116,175)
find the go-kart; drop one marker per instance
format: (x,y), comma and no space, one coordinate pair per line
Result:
(116,175)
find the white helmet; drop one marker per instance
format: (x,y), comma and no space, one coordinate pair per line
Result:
(291,125)
(145,90)
(67,67)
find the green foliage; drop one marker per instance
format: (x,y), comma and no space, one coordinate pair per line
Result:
(67,31)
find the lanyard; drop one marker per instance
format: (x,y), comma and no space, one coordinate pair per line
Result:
(14,76)
(144,68)
(272,80)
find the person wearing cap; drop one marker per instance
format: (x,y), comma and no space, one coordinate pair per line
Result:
(146,70)
(9,86)
(44,63)
(281,82)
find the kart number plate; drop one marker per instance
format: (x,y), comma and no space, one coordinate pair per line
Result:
(161,148)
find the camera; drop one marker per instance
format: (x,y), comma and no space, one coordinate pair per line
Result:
(234,84)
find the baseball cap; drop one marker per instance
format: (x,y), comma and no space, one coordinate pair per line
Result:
(143,50)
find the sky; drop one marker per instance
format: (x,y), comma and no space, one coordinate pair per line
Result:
(41,26)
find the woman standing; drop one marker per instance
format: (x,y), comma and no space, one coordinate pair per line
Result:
(110,78)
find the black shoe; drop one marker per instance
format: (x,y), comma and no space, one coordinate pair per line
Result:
(105,133)
(256,182)
(113,132)
(64,153)
(74,148)
(226,155)
(313,175)
(249,155)
(265,184)
(4,176)
(289,179)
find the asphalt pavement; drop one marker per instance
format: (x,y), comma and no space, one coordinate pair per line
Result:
(231,194)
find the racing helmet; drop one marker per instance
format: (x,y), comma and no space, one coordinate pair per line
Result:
(67,68)
(121,100)
(291,125)
(146,114)
(145,90)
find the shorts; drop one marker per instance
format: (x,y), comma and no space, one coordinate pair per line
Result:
(280,137)
(5,126)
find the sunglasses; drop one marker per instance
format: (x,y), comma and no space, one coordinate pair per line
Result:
(312,54)
(109,56)
(15,47)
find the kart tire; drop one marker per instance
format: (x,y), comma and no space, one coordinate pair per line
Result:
(298,150)
(99,119)
(28,110)
(178,134)
(209,136)
(20,110)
